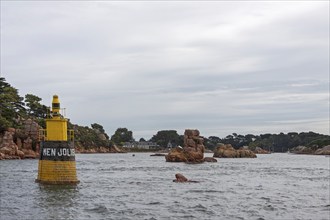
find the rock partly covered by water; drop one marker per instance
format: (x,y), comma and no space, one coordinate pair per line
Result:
(192,151)
(227,151)
(259,150)
(311,150)
(302,150)
(323,151)
(179,178)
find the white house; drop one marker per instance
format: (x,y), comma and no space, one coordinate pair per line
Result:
(141,145)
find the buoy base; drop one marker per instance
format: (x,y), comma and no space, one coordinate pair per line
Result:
(57,165)
(57,172)
(47,182)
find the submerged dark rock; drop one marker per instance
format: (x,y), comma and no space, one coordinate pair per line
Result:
(210,159)
(158,155)
(179,178)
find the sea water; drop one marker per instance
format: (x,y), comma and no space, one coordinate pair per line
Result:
(123,186)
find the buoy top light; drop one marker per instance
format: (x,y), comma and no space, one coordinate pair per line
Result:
(56,106)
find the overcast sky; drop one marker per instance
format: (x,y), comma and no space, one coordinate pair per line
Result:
(219,66)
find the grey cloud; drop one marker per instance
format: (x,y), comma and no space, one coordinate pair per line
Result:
(221,67)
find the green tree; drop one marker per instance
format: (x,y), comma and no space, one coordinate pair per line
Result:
(212,142)
(88,137)
(99,128)
(34,107)
(122,135)
(11,105)
(4,124)
(162,138)
(250,138)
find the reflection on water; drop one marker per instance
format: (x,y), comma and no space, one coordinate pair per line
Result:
(57,201)
(119,186)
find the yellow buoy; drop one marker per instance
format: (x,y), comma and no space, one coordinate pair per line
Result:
(57,164)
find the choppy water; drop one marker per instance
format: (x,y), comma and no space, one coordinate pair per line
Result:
(119,186)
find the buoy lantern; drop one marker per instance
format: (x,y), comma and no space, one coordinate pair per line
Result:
(57,163)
